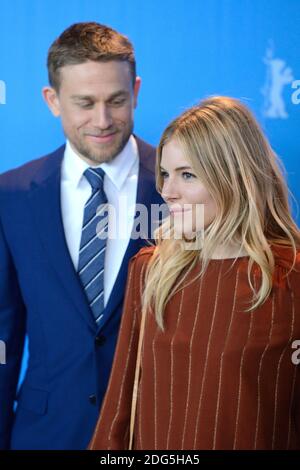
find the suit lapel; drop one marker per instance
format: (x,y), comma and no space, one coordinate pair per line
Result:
(46,207)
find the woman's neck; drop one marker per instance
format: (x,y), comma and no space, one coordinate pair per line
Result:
(229,251)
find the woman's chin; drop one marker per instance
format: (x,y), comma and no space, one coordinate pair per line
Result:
(185,235)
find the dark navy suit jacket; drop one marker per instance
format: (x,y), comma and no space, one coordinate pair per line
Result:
(41,296)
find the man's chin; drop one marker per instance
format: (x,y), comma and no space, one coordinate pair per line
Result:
(96,157)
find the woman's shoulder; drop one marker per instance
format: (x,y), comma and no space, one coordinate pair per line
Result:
(287,268)
(142,258)
(285,257)
(137,268)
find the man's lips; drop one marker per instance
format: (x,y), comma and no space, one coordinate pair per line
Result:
(101,138)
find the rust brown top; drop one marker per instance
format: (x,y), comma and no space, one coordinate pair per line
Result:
(218,377)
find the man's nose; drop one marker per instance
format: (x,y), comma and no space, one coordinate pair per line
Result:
(102,117)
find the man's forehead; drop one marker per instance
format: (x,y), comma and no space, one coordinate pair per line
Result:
(94,78)
(91,96)
(99,68)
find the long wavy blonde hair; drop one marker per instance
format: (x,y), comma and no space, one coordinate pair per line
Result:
(230,155)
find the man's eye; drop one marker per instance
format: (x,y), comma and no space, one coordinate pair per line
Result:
(118,102)
(85,105)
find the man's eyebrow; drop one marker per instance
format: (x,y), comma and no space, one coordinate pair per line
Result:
(179,168)
(82,97)
(117,94)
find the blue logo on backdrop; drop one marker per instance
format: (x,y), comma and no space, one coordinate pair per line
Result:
(278,75)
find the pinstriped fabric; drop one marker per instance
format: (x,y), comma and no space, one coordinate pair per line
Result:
(139,417)
(131,335)
(193,338)
(217,377)
(122,389)
(132,343)
(93,243)
(259,378)
(290,413)
(126,437)
(294,375)
(153,349)
(238,412)
(293,398)
(198,425)
(222,361)
(172,371)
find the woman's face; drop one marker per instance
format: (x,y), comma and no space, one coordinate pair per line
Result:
(190,204)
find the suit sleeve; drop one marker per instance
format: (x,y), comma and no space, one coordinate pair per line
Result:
(12,333)
(112,429)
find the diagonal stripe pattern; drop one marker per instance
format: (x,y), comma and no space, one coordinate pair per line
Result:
(93,243)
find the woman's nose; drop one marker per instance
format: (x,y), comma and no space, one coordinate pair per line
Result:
(170,190)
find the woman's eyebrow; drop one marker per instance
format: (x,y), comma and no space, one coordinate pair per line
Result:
(179,168)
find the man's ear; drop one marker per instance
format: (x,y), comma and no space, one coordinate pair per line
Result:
(52,100)
(136,90)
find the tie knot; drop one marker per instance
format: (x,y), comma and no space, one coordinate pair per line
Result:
(95,177)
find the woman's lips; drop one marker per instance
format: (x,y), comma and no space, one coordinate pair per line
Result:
(179,211)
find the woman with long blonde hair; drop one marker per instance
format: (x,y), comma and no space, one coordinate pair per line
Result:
(221,295)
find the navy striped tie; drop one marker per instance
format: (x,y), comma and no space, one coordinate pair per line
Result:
(93,243)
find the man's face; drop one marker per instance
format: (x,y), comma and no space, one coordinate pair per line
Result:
(96,101)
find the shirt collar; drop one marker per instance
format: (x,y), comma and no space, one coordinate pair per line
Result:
(117,170)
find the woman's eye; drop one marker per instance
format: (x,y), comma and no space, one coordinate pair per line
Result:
(186,175)
(163,174)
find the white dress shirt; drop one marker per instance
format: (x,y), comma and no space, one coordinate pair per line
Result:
(120,186)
